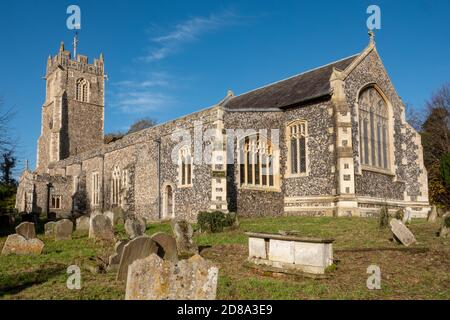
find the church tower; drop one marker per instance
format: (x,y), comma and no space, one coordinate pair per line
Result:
(73,112)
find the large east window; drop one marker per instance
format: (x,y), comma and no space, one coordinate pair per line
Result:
(374,129)
(257,163)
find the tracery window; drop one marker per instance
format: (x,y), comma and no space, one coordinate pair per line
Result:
(257,162)
(116,187)
(297,147)
(82,90)
(374,129)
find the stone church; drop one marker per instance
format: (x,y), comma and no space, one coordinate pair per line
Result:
(330,141)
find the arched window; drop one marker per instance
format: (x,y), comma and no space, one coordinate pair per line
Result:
(82,93)
(116,187)
(297,145)
(257,162)
(185,166)
(374,129)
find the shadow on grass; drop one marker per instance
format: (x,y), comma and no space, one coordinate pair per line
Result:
(15,283)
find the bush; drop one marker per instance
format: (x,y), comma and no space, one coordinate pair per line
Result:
(400,214)
(215,221)
(447,222)
(384,217)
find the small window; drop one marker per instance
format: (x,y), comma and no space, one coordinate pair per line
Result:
(95,189)
(55,202)
(346,166)
(347,177)
(185,166)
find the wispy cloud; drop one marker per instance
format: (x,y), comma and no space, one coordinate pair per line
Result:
(132,96)
(186,32)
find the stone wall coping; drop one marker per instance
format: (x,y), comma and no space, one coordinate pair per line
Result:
(287,237)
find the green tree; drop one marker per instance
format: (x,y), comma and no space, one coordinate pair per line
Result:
(436,144)
(445,169)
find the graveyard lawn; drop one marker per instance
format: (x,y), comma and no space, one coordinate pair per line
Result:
(418,272)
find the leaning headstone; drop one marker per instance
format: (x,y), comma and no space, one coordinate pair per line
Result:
(17,244)
(402,233)
(138,248)
(114,260)
(26,230)
(49,228)
(153,278)
(433,215)
(63,230)
(167,246)
(135,227)
(183,235)
(83,223)
(101,228)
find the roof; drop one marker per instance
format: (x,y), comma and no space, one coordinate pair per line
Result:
(292,91)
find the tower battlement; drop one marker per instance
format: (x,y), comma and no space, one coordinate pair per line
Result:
(80,63)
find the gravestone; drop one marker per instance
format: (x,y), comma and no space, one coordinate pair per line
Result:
(153,278)
(402,233)
(183,235)
(114,260)
(17,244)
(101,228)
(26,230)
(115,215)
(407,216)
(83,223)
(167,246)
(138,248)
(63,230)
(433,215)
(49,228)
(445,229)
(96,212)
(135,227)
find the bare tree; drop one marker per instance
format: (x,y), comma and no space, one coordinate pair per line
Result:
(414,117)
(6,142)
(142,124)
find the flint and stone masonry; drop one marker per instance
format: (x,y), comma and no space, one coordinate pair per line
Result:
(317,148)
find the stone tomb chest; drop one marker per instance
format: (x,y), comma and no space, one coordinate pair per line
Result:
(290,252)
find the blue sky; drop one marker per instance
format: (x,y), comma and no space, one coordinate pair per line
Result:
(165,59)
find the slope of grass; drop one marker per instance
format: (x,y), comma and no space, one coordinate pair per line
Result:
(405,274)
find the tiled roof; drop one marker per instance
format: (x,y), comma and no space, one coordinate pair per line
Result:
(293,91)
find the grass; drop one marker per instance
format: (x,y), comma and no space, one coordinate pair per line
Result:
(406,274)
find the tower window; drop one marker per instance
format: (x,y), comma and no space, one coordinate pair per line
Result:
(82,90)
